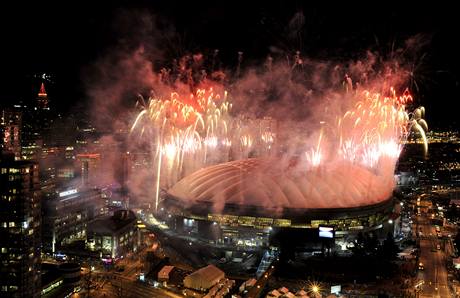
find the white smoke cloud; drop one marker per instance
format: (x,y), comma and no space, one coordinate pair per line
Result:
(302,95)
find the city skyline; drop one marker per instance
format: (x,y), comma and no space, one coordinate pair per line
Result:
(75,56)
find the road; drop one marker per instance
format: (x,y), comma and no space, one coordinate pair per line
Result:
(124,287)
(258,287)
(122,284)
(434,261)
(116,285)
(132,267)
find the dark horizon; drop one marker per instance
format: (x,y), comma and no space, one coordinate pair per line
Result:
(67,42)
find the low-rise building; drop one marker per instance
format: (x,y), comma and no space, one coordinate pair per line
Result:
(165,272)
(247,285)
(59,280)
(114,236)
(204,278)
(67,214)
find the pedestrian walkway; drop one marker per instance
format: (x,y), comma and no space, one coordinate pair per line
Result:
(267,259)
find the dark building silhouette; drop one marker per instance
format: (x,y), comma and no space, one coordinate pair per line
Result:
(20,223)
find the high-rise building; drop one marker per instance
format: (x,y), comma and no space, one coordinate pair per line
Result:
(42,99)
(125,159)
(90,163)
(20,221)
(10,131)
(36,127)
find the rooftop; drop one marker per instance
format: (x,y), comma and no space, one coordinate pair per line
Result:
(272,184)
(112,224)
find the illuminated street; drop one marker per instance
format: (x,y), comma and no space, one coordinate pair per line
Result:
(434,261)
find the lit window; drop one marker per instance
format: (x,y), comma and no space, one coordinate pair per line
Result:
(12,224)
(4,250)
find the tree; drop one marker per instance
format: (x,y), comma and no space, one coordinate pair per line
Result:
(88,281)
(389,249)
(371,244)
(365,245)
(358,249)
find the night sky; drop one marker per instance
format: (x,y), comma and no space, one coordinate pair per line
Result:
(67,39)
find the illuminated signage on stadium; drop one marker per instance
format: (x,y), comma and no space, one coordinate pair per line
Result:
(326,232)
(68,192)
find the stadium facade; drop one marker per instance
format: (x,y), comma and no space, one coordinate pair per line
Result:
(226,205)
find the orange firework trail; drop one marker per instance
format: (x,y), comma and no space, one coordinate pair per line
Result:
(193,131)
(371,130)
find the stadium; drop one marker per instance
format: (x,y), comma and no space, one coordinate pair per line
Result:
(245,203)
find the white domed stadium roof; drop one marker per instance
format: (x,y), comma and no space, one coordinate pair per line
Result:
(268,184)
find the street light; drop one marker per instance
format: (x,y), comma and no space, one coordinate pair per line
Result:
(315,289)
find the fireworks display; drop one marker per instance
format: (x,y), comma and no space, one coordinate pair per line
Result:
(192,131)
